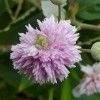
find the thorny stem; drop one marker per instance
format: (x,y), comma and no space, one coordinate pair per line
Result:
(59,12)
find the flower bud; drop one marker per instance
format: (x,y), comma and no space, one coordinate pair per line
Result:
(95,51)
(58,2)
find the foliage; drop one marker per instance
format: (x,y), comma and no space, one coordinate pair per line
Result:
(14,15)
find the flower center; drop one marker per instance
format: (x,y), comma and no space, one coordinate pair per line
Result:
(41,42)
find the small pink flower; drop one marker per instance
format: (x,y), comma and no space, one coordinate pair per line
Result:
(91,81)
(42,54)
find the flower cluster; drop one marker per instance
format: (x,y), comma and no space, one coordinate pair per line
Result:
(42,54)
(91,81)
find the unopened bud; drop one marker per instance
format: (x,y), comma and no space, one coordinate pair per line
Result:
(95,51)
(58,2)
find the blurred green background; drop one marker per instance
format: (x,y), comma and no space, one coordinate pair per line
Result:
(14,15)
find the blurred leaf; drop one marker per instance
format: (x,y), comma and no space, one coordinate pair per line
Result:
(50,9)
(66,93)
(40,98)
(7,93)
(2,18)
(24,83)
(89,9)
(85,97)
(86,59)
(7,72)
(37,89)
(9,75)
(3,7)
(5,37)
(17,1)
(74,74)
(2,85)
(76,7)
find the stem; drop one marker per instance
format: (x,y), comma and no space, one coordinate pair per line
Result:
(86,50)
(59,12)
(86,26)
(40,98)
(5,48)
(89,42)
(50,94)
(27,13)
(81,25)
(9,10)
(18,8)
(36,4)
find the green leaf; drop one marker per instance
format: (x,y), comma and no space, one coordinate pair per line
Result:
(85,97)
(9,75)
(74,74)
(7,93)
(7,72)
(17,1)
(3,7)
(25,83)
(86,59)
(37,90)
(89,10)
(66,92)
(5,37)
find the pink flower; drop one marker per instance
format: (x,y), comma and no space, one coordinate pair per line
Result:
(91,81)
(42,54)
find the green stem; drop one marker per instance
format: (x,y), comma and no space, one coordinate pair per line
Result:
(89,42)
(86,26)
(86,50)
(18,8)
(79,24)
(59,12)
(50,94)
(36,4)
(8,9)
(27,13)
